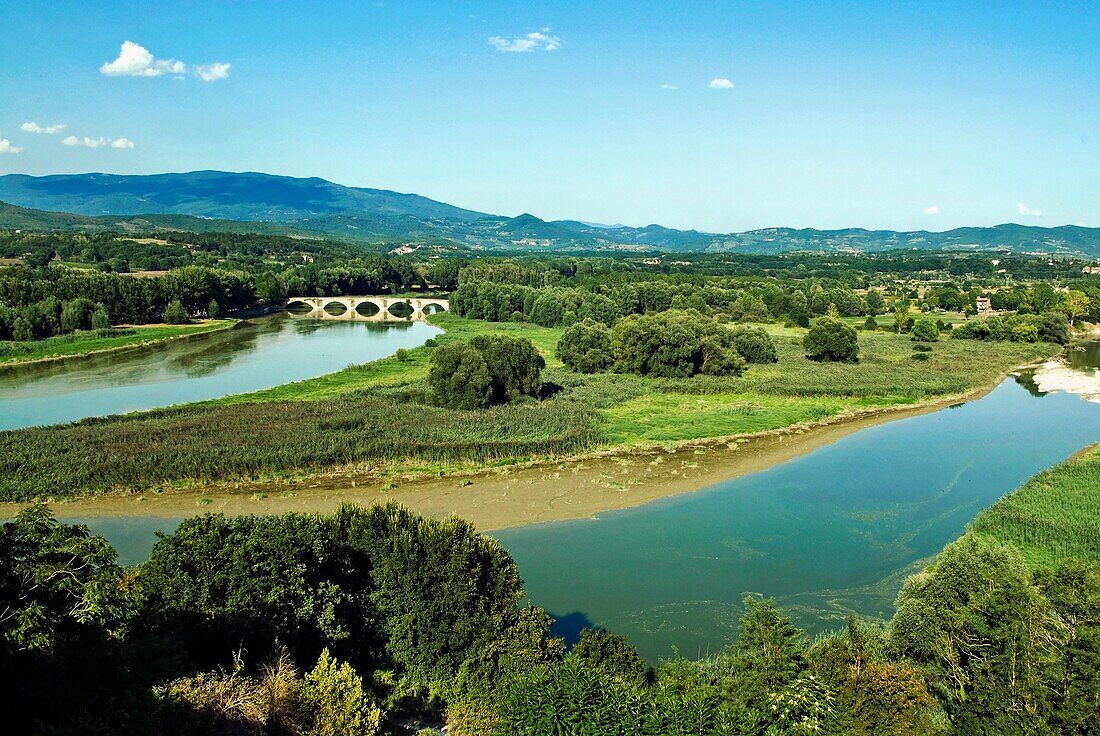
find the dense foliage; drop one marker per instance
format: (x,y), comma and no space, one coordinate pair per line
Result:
(489,369)
(831,339)
(674,344)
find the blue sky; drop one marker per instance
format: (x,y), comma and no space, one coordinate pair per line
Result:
(836,114)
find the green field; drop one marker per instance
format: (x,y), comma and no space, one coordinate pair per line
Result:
(82,343)
(1055,515)
(378,418)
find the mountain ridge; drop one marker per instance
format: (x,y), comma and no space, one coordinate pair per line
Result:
(314,207)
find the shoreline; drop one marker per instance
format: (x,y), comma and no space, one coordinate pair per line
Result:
(201,329)
(542,491)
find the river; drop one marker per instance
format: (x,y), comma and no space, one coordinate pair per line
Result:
(830,533)
(255,354)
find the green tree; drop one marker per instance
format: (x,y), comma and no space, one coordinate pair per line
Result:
(76,314)
(875,303)
(831,339)
(459,377)
(514,365)
(336,703)
(754,344)
(100,319)
(611,654)
(175,313)
(586,347)
(768,654)
(925,330)
(213,311)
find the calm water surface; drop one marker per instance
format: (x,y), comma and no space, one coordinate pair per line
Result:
(830,533)
(255,354)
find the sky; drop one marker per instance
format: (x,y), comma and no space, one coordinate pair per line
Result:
(719,116)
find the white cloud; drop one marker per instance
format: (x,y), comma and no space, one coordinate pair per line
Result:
(42,129)
(212,72)
(669,86)
(7,147)
(533,41)
(720,83)
(1023,209)
(932,210)
(100,142)
(134,60)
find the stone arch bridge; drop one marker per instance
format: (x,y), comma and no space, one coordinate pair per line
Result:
(319,305)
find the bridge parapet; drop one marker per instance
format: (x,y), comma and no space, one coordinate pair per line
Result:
(383,304)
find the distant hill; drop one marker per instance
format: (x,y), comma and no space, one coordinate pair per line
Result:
(229,196)
(203,201)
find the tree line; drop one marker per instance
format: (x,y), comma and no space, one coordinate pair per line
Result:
(352,622)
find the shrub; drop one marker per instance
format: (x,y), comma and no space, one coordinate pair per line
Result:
(754,344)
(925,330)
(490,369)
(674,344)
(514,365)
(459,377)
(100,319)
(336,703)
(831,339)
(586,347)
(175,313)
(870,323)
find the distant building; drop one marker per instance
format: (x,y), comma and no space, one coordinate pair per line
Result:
(983,304)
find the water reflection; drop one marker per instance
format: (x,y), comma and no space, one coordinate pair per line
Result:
(255,354)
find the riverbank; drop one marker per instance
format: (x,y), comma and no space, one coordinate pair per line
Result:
(85,344)
(576,487)
(369,432)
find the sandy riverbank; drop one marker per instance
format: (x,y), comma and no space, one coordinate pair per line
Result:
(572,488)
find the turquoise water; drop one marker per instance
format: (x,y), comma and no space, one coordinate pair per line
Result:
(255,354)
(827,534)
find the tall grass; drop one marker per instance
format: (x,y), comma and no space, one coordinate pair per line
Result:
(1055,515)
(378,415)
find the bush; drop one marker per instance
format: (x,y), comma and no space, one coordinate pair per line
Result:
(459,377)
(490,369)
(586,347)
(100,319)
(336,704)
(514,364)
(925,330)
(754,344)
(674,344)
(831,339)
(175,314)
(870,323)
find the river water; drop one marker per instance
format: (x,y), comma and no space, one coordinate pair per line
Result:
(830,533)
(255,354)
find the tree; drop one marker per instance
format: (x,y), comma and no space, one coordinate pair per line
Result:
(100,319)
(514,366)
(58,584)
(754,344)
(612,655)
(175,313)
(901,315)
(768,653)
(875,303)
(925,330)
(674,344)
(1078,304)
(213,311)
(459,377)
(586,347)
(831,339)
(336,702)
(870,324)
(76,314)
